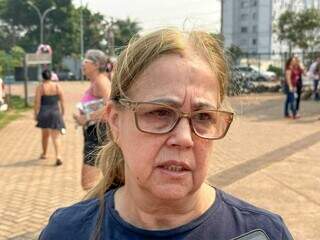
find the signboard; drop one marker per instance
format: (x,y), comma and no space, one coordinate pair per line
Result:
(36,58)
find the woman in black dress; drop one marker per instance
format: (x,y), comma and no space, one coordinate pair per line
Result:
(48,112)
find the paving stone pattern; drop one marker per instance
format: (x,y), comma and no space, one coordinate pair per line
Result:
(265,159)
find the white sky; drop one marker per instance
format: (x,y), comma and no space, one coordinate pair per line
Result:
(152,14)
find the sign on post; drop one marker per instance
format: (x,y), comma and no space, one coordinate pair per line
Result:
(34,59)
(38,58)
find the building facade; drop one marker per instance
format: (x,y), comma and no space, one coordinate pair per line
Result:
(248,24)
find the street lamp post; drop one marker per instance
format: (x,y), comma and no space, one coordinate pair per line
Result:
(81,40)
(41,17)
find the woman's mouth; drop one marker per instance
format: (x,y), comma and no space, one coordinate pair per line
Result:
(174,168)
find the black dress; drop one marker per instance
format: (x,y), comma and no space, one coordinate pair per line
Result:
(49,115)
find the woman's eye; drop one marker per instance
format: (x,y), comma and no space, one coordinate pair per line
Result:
(207,117)
(160,113)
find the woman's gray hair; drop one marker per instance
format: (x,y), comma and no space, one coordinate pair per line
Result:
(97,57)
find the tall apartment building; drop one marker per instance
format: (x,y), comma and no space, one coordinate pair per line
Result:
(248,23)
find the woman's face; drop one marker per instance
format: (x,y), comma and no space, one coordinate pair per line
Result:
(89,67)
(153,163)
(294,62)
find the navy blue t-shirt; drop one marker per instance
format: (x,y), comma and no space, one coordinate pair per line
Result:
(227,218)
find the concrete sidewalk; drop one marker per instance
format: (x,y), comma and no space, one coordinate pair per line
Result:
(265,159)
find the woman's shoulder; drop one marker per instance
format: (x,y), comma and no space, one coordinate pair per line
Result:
(252,215)
(67,220)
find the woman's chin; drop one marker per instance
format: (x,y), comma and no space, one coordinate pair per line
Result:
(170,191)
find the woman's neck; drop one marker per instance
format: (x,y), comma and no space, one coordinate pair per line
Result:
(93,76)
(146,212)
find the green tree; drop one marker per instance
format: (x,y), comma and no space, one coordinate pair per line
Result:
(123,31)
(17,54)
(10,60)
(20,25)
(95,27)
(299,29)
(286,28)
(308,23)
(235,53)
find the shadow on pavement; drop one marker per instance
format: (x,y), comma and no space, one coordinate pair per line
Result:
(28,163)
(240,171)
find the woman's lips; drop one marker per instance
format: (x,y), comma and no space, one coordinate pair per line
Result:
(174,167)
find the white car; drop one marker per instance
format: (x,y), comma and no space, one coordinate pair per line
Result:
(255,74)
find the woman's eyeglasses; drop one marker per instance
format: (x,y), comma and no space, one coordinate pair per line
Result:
(158,118)
(84,61)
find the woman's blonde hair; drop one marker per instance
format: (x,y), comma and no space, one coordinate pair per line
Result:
(133,60)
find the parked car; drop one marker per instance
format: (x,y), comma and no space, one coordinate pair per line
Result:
(64,75)
(253,73)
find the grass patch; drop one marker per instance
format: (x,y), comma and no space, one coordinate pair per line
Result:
(16,109)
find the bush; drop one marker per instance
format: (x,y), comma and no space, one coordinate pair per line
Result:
(278,71)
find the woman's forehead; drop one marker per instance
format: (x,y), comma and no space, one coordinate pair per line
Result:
(174,75)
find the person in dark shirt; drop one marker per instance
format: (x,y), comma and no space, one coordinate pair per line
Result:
(166,109)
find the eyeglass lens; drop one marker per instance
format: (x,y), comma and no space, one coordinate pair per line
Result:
(154,118)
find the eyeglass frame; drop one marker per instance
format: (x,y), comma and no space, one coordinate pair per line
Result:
(132,105)
(86,60)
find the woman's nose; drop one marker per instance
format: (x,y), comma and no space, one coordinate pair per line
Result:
(181,135)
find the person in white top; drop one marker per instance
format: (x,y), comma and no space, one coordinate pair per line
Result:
(314,75)
(1,91)
(54,76)
(3,105)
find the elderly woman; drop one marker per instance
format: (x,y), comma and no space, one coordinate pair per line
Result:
(94,67)
(165,112)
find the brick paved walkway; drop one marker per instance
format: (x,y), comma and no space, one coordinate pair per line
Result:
(267,160)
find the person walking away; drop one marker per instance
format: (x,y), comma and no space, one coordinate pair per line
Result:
(290,89)
(91,113)
(48,112)
(297,72)
(314,75)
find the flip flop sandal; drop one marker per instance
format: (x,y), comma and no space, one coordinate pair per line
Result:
(59,162)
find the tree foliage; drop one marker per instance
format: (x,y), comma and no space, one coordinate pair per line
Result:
(299,29)
(11,59)
(20,26)
(235,53)
(124,30)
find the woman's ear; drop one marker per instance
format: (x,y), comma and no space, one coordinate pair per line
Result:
(112,118)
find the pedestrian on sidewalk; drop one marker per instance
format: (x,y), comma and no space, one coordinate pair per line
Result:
(54,75)
(90,116)
(3,104)
(291,79)
(48,112)
(166,109)
(297,72)
(314,73)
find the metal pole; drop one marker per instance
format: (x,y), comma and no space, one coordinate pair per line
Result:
(41,17)
(39,14)
(81,41)
(41,29)
(221,17)
(25,83)
(42,21)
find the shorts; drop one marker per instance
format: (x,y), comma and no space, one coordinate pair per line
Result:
(94,137)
